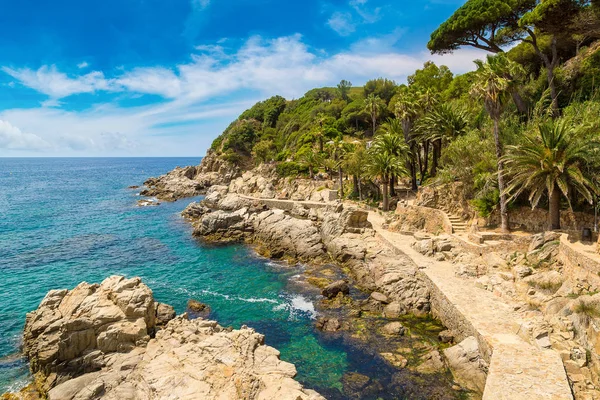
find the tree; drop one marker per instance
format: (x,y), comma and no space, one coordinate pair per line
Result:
(354,164)
(344,88)
(491,86)
(338,148)
(484,24)
(431,78)
(311,159)
(554,18)
(392,141)
(443,124)
(385,89)
(407,110)
(381,165)
(375,107)
(552,163)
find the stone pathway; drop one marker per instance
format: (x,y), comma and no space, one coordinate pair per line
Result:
(518,369)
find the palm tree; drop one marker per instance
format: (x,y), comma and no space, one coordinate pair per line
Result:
(442,124)
(392,141)
(374,106)
(338,148)
(311,159)
(354,164)
(407,110)
(492,85)
(381,165)
(552,163)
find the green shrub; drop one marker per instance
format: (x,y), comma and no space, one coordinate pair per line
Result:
(290,168)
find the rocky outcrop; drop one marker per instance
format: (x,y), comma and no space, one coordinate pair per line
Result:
(191,181)
(113,341)
(317,235)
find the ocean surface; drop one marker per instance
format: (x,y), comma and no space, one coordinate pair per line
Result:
(63,221)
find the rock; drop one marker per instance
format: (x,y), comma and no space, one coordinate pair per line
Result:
(164,313)
(147,203)
(467,271)
(467,365)
(133,187)
(424,247)
(494,260)
(393,329)
(332,290)
(195,211)
(93,342)
(379,297)
(543,340)
(579,355)
(397,360)
(432,363)
(328,324)
(446,336)
(444,245)
(537,241)
(521,271)
(393,310)
(197,309)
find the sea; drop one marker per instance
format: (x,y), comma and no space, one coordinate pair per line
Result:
(68,220)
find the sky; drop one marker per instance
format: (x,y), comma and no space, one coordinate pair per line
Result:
(164,78)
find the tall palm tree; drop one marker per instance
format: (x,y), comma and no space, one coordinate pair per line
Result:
(392,141)
(338,149)
(381,165)
(442,124)
(492,84)
(407,110)
(552,163)
(374,105)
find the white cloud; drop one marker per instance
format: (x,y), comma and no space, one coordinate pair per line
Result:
(48,80)
(341,23)
(200,4)
(13,138)
(82,65)
(183,123)
(368,16)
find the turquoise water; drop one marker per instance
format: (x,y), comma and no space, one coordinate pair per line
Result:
(63,221)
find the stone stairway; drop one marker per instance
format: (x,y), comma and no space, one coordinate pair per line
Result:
(458,225)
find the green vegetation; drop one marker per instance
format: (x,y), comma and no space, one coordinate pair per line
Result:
(520,130)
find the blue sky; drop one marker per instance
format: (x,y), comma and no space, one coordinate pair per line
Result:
(164,78)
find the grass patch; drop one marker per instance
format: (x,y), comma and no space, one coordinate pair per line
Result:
(589,309)
(549,286)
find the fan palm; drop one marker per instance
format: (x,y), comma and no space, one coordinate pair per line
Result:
(407,110)
(552,163)
(492,84)
(443,124)
(311,159)
(382,165)
(374,105)
(392,141)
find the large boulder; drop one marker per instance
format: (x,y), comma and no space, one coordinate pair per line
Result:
(335,288)
(467,365)
(103,341)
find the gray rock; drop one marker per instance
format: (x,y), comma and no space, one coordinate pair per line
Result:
(333,289)
(380,297)
(393,310)
(164,313)
(446,336)
(467,365)
(393,329)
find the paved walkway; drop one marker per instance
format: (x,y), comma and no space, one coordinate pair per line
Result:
(518,370)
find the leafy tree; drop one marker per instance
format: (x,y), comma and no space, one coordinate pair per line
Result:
(552,163)
(344,88)
(554,18)
(385,89)
(431,78)
(491,86)
(338,148)
(263,151)
(375,107)
(381,165)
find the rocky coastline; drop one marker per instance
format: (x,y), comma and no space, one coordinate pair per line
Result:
(114,341)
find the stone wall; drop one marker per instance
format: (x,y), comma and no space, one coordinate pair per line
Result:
(452,197)
(578,265)
(526,219)
(419,219)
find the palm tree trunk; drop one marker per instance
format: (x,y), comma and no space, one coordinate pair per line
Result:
(392,186)
(425,159)
(386,200)
(341,178)
(437,149)
(355,186)
(320,144)
(501,185)
(311,172)
(374,117)
(360,195)
(554,211)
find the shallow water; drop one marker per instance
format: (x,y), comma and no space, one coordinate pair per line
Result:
(63,221)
